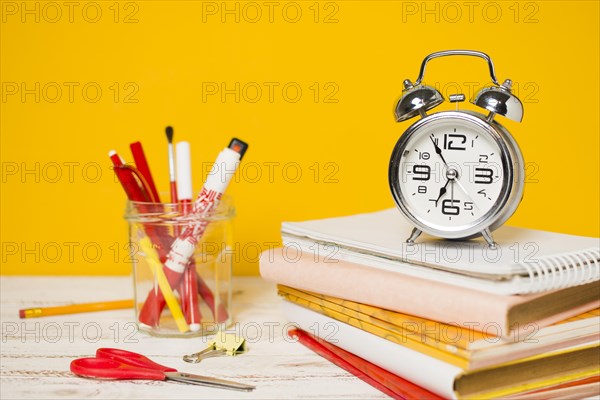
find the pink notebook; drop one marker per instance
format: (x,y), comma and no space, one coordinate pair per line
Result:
(425,298)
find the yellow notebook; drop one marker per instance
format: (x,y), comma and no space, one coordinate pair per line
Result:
(551,368)
(462,347)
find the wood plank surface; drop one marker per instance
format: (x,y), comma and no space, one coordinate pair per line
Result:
(35,354)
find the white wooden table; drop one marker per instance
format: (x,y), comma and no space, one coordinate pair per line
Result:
(35,353)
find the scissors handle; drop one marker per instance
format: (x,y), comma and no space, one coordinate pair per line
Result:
(131,358)
(106,368)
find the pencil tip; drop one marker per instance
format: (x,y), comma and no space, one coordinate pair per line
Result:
(111,153)
(169,131)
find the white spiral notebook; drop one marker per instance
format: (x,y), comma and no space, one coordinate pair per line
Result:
(526,260)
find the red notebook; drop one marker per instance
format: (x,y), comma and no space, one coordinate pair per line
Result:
(379,378)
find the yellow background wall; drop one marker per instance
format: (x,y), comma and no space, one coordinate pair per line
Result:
(159,63)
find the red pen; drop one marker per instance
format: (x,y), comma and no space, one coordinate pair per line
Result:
(189,284)
(184,246)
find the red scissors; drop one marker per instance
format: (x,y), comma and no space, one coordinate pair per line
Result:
(123,364)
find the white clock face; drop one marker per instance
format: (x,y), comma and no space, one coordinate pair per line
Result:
(451,173)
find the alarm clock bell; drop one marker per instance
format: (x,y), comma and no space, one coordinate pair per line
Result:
(418,98)
(499,100)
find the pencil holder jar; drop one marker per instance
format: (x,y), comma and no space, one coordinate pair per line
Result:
(190,297)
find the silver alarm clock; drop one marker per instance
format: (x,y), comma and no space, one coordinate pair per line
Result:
(457,174)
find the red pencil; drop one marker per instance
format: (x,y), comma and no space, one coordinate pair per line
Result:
(379,378)
(157,234)
(142,165)
(220,311)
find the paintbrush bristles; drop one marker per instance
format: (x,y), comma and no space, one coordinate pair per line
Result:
(169,132)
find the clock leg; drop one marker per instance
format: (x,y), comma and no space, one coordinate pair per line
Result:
(413,236)
(487,235)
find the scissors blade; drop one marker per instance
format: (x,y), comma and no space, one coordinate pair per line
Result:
(208,381)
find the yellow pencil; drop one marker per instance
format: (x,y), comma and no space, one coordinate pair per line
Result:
(163,283)
(75,308)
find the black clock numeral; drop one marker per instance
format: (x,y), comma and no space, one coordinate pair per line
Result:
(484,175)
(422,189)
(449,208)
(468,205)
(424,155)
(422,172)
(453,141)
(483,158)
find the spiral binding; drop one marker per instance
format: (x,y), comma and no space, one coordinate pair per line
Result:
(563,270)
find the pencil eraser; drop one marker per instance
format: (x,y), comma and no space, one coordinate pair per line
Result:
(21,313)
(239,146)
(184,171)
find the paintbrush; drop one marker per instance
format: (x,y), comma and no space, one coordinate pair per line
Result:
(172,179)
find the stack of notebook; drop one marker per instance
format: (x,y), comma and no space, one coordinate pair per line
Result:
(444,318)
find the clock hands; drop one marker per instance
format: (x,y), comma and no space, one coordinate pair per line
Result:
(442,192)
(453,176)
(438,151)
(466,193)
(452,190)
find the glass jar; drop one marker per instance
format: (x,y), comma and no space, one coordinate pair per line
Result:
(196,299)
